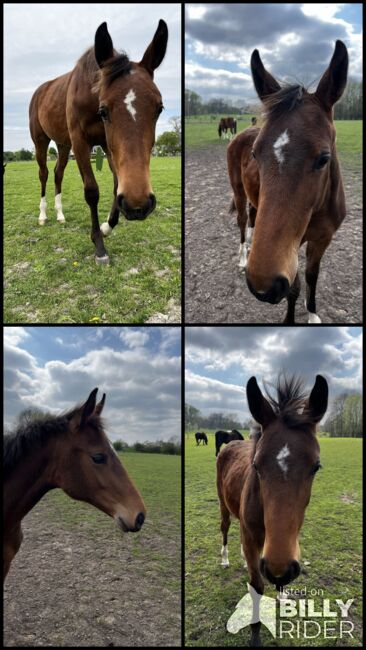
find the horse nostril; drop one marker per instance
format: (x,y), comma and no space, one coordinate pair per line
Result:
(139,520)
(295,567)
(280,288)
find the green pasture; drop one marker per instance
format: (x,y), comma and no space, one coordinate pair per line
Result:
(49,271)
(157,477)
(330,541)
(201,131)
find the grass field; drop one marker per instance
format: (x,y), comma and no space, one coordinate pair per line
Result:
(50,273)
(330,541)
(201,132)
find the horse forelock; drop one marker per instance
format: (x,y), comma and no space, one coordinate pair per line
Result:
(284,100)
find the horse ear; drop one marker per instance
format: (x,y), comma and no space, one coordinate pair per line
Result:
(333,82)
(318,399)
(259,407)
(103,46)
(156,50)
(88,408)
(99,407)
(264,83)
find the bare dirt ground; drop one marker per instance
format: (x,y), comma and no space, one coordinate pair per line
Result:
(215,288)
(71,588)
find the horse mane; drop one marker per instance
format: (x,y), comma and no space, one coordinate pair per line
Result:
(116,67)
(290,402)
(284,100)
(33,432)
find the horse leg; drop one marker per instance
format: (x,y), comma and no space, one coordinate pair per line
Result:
(91,193)
(314,254)
(11,547)
(62,160)
(112,220)
(252,550)
(225,525)
(242,550)
(41,146)
(291,301)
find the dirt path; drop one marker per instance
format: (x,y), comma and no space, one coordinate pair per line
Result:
(77,589)
(215,288)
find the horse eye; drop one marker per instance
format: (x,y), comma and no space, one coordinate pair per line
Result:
(316,467)
(253,154)
(255,467)
(103,113)
(160,109)
(99,458)
(322,160)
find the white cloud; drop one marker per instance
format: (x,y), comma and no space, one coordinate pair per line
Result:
(134,338)
(14,335)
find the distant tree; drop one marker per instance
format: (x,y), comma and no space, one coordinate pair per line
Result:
(120,445)
(52,151)
(9,156)
(168,143)
(23,154)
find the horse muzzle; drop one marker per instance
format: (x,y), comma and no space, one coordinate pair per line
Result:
(279,290)
(137,524)
(292,572)
(136,213)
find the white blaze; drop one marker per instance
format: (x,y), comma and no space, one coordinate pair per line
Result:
(281,141)
(130,97)
(281,458)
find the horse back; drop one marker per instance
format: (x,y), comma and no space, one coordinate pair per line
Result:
(47,110)
(233,464)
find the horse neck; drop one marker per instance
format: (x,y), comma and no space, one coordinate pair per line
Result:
(30,479)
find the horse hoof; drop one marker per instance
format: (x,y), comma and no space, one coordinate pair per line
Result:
(313,318)
(61,219)
(225,565)
(104,260)
(41,222)
(105,229)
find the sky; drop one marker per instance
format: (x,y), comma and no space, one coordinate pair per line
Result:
(139,369)
(220,360)
(295,41)
(43,41)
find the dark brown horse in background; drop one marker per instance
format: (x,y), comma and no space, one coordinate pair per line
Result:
(227,127)
(224,437)
(266,482)
(106,100)
(288,171)
(71,452)
(200,435)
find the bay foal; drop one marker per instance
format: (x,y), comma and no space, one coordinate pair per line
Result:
(110,101)
(266,482)
(70,452)
(288,171)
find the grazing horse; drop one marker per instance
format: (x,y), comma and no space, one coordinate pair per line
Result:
(224,437)
(227,127)
(254,121)
(201,436)
(71,452)
(106,100)
(289,172)
(266,482)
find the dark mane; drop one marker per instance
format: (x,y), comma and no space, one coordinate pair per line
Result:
(284,100)
(33,432)
(290,402)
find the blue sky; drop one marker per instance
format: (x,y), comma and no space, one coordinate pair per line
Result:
(220,360)
(43,41)
(139,369)
(295,41)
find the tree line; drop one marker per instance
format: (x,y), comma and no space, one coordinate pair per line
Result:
(194,420)
(349,108)
(345,418)
(171,447)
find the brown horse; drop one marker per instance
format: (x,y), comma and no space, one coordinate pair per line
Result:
(71,452)
(289,172)
(266,482)
(110,101)
(227,127)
